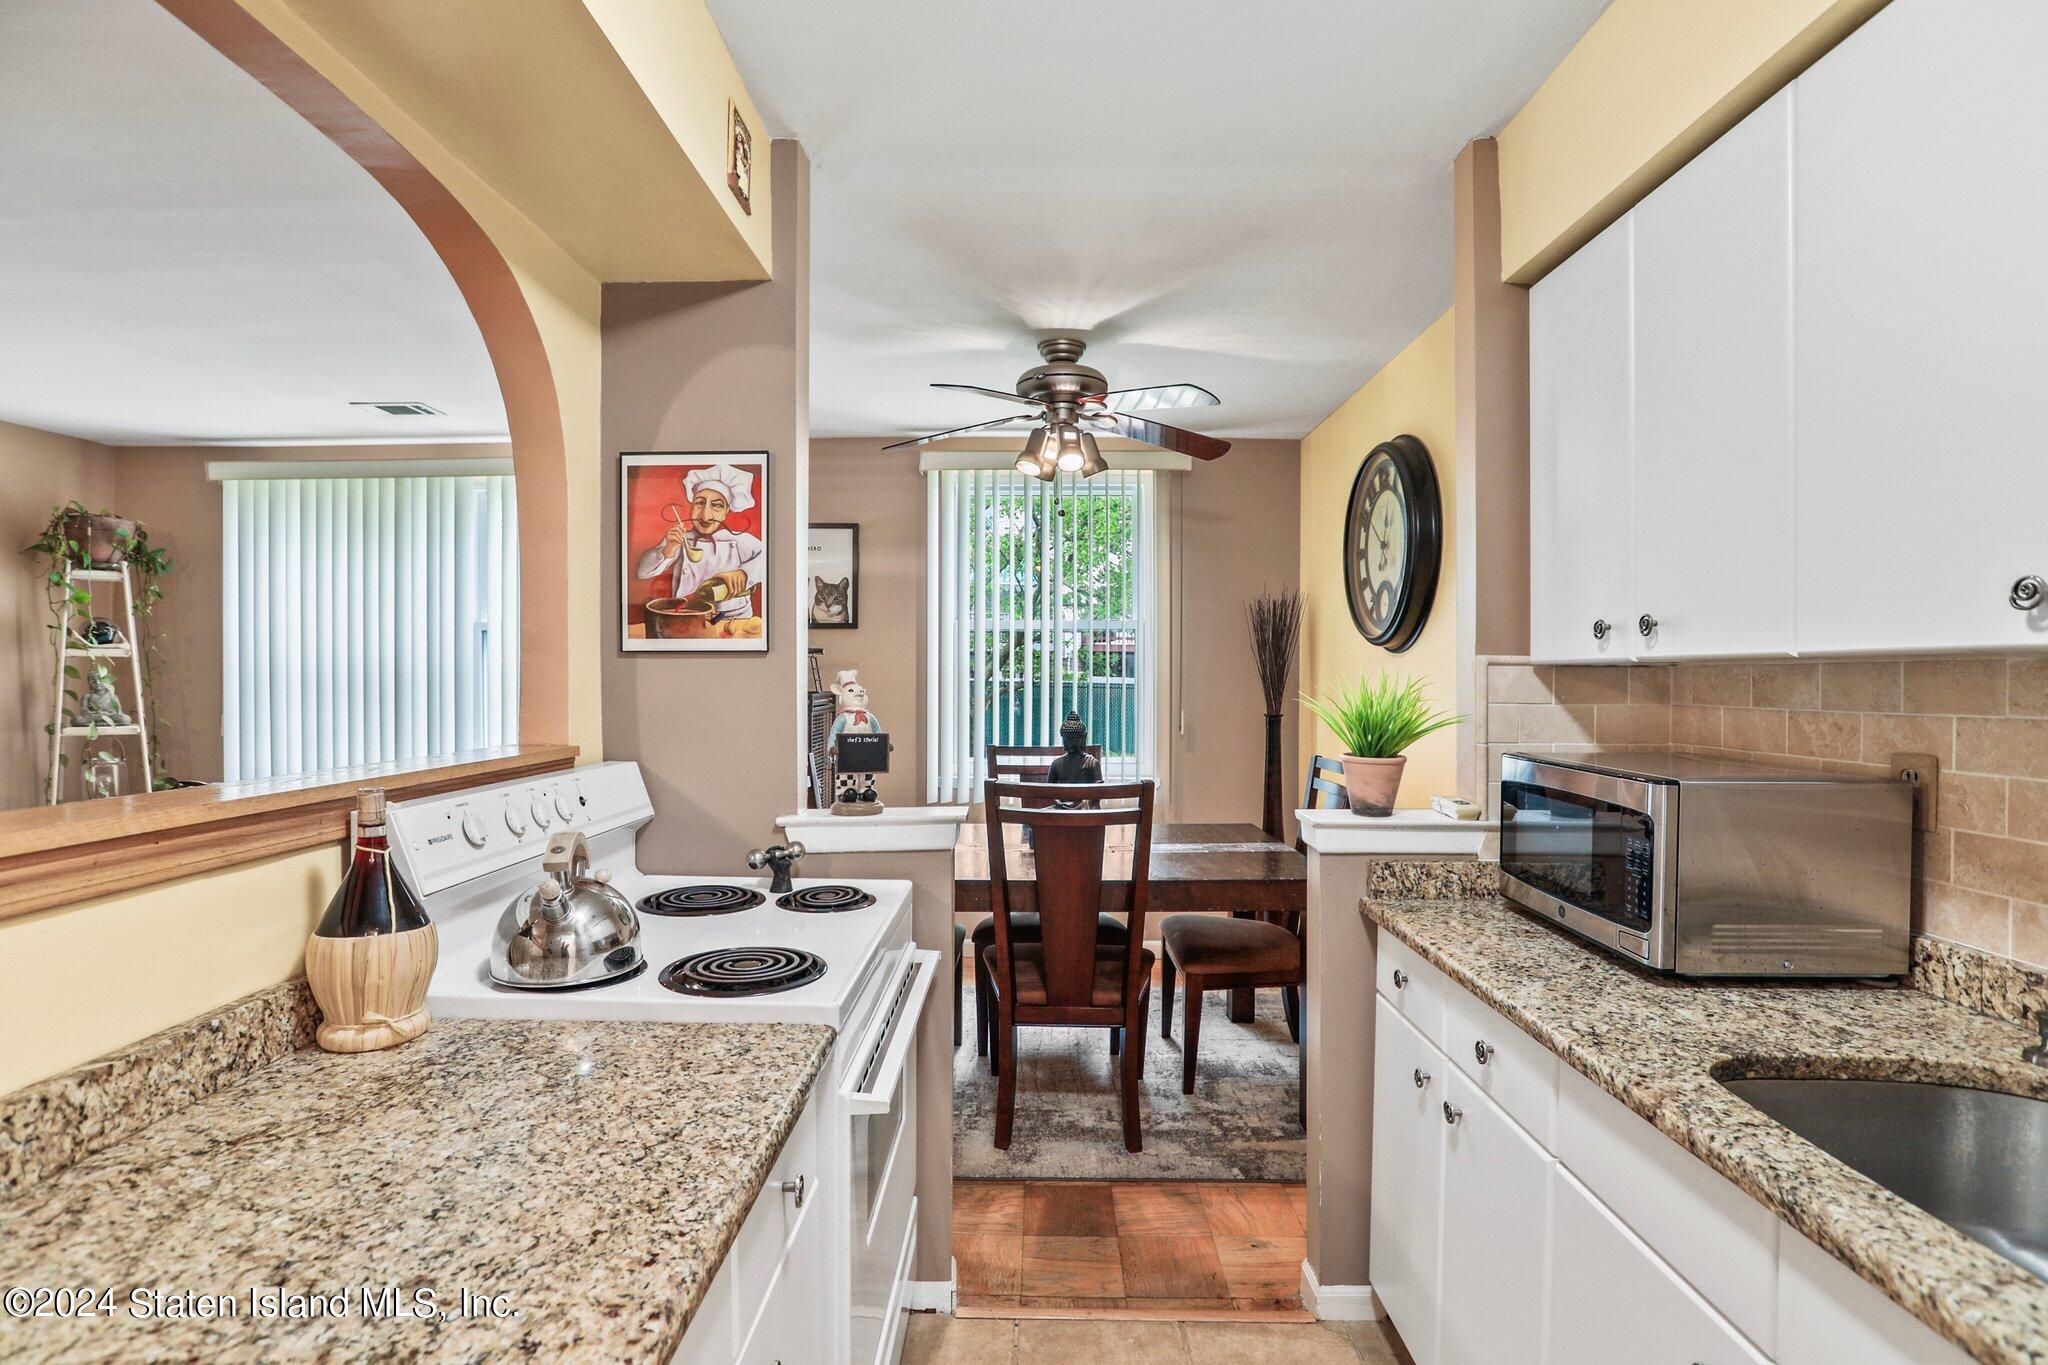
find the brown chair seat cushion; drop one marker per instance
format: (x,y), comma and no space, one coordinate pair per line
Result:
(1024,927)
(1212,944)
(1108,988)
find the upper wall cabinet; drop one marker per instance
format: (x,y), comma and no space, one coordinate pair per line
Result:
(1834,348)
(1713,398)
(1579,454)
(1922,343)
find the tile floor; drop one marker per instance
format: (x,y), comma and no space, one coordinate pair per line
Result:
(935,1339)
(1178,1251)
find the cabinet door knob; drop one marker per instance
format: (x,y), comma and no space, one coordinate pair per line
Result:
(1452,1113)
(2028,592)
(1421,1078)
(1483,1050)
(1600,629)
(1400,978)
(798,1187)
(1646,624)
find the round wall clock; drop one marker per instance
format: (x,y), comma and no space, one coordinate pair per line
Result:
(1393,542)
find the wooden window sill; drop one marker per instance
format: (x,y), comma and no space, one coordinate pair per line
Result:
(60,855)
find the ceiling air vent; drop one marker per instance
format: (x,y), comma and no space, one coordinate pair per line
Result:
(403,409)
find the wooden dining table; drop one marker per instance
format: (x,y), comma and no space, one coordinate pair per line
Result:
(1215,867)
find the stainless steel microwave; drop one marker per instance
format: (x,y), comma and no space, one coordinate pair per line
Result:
(1701,867)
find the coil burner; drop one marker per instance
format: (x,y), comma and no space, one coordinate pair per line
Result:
(729,973)
(825,900)
(712,899)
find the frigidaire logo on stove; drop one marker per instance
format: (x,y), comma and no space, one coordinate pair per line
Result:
(438,839)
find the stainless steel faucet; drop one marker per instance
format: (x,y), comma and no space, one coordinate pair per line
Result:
(778,858)
(2038,1053)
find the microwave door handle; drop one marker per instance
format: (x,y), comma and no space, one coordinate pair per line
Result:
(872,1086)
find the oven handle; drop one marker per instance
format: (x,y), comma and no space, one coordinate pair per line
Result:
(886,1054)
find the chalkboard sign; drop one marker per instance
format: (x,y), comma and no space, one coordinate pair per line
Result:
(864,753)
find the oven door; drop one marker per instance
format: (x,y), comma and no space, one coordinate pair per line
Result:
(1592,850)
(878,1092)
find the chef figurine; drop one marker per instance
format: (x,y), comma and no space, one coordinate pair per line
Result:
(855,789)
(711,566)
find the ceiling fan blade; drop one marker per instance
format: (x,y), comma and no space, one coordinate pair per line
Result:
(1169,438)
(991,393)
(1159,396)
(957,431)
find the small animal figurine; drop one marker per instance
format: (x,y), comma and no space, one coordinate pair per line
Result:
(828,601)
(100,706)
(852,792)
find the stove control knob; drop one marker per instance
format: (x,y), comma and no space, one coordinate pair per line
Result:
(515,821)
(473,830)
(542,816)
(564,807)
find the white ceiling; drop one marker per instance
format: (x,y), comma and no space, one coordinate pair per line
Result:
(1251,197)
(184,259)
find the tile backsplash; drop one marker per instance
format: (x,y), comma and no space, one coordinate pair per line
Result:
(1981,875)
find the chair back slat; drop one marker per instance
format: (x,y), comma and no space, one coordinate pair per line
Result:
(1069,851)
(1027,762)
(1324,791)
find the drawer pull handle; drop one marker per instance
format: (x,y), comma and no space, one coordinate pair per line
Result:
(1421,1078)
(1483,1050)
(1400,978)
(1452,1113)
(2028,592)
(1600,629)
(1646,625)
(798,1187)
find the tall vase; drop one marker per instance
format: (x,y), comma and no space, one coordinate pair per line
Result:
(1274,821)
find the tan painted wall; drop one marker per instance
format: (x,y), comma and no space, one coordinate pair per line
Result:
(1237,522)
(714,367)
(40,470)
(1650,85)
(1414,394)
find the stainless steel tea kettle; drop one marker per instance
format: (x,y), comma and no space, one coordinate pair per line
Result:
(571,929)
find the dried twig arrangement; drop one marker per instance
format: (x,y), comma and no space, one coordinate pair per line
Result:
(1276,630)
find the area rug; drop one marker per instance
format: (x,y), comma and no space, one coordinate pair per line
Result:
(1240,1124)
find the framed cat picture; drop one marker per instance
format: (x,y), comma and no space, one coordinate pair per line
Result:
(833,586)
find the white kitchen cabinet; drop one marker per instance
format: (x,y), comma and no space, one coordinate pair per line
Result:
(1493,1299)
(1713,475)
(1581,445)
(1829,1316)
(1514,1070)
(1921,285)
(1613,1302)
(1407,1176)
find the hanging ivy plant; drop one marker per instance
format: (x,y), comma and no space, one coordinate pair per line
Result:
(67,544)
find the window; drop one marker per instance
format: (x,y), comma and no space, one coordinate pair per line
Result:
(367,620)
(1041,603)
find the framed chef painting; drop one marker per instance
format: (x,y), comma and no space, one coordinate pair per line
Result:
(693,552)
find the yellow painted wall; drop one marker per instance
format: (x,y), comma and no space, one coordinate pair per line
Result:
(87,979)
(1414,394)
(1650,85)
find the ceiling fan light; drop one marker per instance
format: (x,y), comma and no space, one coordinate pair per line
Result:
(1092,462)
(1071,457)
(1029,459)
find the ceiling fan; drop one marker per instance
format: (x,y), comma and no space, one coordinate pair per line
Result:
(1071,403)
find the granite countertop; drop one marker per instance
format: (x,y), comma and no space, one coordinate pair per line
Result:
(591,1174)
(1658,1044)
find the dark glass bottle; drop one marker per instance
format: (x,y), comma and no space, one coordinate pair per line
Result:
(372,898)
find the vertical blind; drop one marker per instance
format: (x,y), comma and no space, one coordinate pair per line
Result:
(367,620)
(1040,602)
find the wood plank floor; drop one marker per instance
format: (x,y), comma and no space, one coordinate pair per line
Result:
(1179,1251)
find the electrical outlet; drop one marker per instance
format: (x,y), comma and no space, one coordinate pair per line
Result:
(1924,772)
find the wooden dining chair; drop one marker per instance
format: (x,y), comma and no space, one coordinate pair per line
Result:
(1217,954)
(1021,763)
(1070,976)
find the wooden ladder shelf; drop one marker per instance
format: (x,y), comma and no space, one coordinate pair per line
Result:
(95,657)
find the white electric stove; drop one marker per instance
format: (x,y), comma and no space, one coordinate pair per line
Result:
(716,949)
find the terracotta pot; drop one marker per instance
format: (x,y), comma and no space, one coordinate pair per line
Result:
(95,536)
(1373,783)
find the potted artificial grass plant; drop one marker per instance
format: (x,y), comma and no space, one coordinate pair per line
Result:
(1375,721)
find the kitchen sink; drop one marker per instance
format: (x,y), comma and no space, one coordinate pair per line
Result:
(1975,1159)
